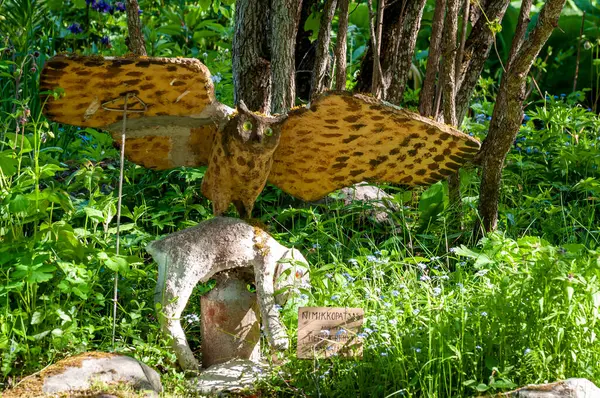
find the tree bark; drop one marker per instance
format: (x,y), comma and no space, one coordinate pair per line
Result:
(477,49)
(136,42)
(322,54)
(390,33)
(463,38)
(519,36)
(251,58)
(341,45)
(305,53)
(396,72)
(508,113)
(448,63)
(427,97)
(375,24)
(284,28)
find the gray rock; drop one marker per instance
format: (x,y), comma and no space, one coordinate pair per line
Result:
(81,373)
(380,201)
(570,388)
(231,376)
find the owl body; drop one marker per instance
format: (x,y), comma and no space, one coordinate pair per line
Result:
(240,161)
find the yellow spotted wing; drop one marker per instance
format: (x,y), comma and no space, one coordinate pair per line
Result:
(342,139)
(167,96)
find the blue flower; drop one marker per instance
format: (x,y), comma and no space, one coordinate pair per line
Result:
(315,245)
(348,277)
(437,291)
(395,293)
(335,297)
(371,259)
(120,6)
(353,261)
(563,95)
(105,41)
(425,278)
(75,28)
(484,313)
(102,6)
(527,351)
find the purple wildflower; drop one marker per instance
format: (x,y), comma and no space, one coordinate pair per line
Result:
(120,6)
(105,41)
(102,6)
(75,28)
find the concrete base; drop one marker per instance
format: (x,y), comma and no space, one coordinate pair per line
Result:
(229,377)
(230,320)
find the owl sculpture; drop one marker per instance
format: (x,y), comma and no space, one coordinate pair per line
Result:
(173,120)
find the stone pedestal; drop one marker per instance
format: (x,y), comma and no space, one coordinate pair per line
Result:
(230,321)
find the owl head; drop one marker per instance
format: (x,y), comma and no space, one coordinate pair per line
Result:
(255,130)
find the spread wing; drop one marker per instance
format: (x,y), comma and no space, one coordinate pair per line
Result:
(167,86)
(167,147)
(343,139)
(171,119)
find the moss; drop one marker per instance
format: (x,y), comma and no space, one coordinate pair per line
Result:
(31,386)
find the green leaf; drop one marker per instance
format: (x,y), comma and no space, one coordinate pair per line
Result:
(570,292)
(115,263)
(481,387)
(94,214)
(37,318)
(19,204)
(8,163)
(63,315)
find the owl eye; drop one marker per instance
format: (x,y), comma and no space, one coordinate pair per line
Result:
(247,126)
(268,131)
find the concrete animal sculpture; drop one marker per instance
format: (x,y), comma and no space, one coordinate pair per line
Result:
(221,244)
(174,120)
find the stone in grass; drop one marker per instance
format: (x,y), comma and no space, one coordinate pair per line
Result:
(232,376)
(381,204)
(570,388)
(81,375)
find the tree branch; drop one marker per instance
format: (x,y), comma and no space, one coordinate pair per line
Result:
(341,45)
(427,99)
(322,53)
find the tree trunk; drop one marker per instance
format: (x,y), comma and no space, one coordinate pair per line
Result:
(251,58)
(322,54)
(284,28)
(375,22)
(341,45)
(390,33)
(477,49)
(136,42)
(395,74)
(305,53)
(448,63)
(427,97)
(508,112)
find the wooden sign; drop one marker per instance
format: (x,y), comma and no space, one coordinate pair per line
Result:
(328,331)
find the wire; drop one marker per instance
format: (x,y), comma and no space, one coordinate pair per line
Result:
(121,168)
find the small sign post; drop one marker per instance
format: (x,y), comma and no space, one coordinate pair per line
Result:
(327,331)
